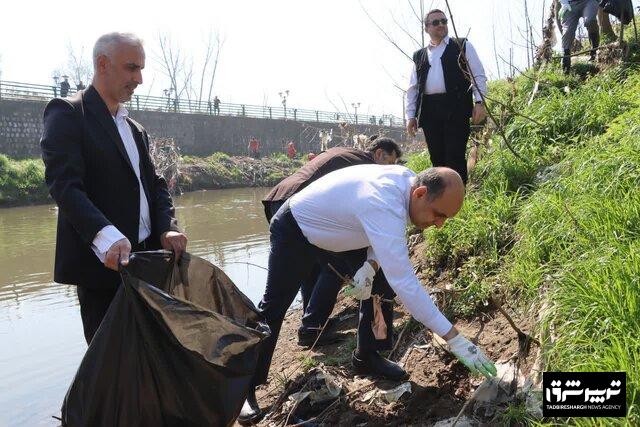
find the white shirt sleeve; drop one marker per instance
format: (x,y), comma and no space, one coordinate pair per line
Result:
(412,95)
(478,72)
(387,235)
(105,238)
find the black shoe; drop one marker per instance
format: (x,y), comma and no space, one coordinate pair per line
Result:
(307,337)
(250,413)
(374,364)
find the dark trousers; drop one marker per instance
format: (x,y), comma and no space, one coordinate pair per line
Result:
(320,288)
(94,304)
(446,129)
(291,260)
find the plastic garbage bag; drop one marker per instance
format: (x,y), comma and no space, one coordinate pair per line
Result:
(178,347)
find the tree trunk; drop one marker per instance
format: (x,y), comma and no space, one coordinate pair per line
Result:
(605,25)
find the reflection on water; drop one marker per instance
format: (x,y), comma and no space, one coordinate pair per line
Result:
(41,341)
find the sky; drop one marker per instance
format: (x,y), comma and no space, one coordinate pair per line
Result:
(328,53)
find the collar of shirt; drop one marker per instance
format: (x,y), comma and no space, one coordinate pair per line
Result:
(122,113)
(444,42)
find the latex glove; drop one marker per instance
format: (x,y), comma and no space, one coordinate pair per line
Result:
(566,7)
(471,356)
(363,282)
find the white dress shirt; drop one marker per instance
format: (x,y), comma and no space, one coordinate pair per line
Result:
(368,206)
(435,78)
(108,235)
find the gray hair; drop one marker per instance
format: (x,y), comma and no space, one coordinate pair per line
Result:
(434,180)
(107,43)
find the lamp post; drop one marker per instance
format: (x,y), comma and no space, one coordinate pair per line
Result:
(355,106)
(283,98)
(56,78)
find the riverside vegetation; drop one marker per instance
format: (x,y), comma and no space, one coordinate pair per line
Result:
(558,234)
(555,235)
(22,181)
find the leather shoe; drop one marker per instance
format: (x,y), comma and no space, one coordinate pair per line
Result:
(307,337)
(250,413)
(371,363)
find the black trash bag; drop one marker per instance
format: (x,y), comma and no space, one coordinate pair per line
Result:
(178,347)
(621,9)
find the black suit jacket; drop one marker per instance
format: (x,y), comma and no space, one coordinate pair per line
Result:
(91,179)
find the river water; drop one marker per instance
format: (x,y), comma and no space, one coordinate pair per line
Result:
(41,341)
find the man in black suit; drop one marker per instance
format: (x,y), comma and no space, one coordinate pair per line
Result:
(98,170)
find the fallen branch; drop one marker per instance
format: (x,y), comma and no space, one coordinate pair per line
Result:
(521,335)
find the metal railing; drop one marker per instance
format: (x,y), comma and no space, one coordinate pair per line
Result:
(34,92)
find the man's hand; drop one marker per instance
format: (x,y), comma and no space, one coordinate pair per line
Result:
(479,114)
(363,282)
(174,241)
(563,10)
(412,127)
(471,356)
(118,254)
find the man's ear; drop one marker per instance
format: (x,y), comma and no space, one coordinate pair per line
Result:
(420,191)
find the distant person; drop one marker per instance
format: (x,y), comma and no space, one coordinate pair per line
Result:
(80,86)
(64,87)
(440,97)
(216,105)
(325,138)
(570,13)
(291,150)
(254,147)
(98,169)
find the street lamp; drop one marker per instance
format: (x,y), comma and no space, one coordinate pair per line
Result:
(355,106)
(56,78)
(283,98)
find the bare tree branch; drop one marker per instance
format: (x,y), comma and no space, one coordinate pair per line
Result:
(383,32)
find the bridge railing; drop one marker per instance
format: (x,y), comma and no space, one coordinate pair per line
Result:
(34,92)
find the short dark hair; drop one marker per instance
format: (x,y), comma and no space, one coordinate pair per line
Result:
(387,144)
(431,12)
(434,182)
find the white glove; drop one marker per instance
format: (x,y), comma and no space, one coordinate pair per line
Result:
(363,282)
(566,7)
(471,356)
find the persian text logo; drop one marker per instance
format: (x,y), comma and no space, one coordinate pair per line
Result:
(584,394)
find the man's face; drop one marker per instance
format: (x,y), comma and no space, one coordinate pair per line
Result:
(439,31)
(122,72)
(426,213)
(381,157)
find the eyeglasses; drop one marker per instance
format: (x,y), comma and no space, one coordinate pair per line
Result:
(437,22)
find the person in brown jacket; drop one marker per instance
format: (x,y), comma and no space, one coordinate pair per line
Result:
(320,290)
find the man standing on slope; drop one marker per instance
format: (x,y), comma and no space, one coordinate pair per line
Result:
(570,13)
(441,94)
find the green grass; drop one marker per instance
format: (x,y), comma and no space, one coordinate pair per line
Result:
(22,181)
(560,229)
